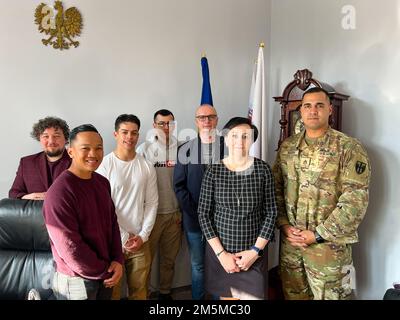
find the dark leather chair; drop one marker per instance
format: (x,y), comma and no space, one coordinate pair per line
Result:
(392,294)
(26,260)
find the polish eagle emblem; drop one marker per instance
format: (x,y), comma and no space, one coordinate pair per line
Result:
(61,27)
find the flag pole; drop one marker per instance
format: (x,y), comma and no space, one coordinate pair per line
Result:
(206,96)
(257,112)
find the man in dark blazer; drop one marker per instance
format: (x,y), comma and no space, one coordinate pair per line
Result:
(193,158)
(38,171)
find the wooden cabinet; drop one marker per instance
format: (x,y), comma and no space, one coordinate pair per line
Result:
(290,103)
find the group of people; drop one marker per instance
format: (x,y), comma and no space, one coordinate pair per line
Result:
(108,216)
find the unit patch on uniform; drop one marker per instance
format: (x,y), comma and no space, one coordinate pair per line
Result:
(360,167)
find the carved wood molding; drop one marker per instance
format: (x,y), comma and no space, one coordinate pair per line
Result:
(292,95)
(303,78)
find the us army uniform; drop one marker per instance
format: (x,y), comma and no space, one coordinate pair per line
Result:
(323,187)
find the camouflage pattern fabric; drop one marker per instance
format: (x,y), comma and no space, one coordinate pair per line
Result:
(321,187)
(319,272)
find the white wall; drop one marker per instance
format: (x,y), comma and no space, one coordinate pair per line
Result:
(134,57)
(363,63)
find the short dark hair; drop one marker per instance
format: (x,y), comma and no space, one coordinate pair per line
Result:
(49,122)
(126,118)
(164,113)
(81,128)
(237,121)
(317,90)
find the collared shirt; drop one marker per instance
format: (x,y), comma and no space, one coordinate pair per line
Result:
(323,186)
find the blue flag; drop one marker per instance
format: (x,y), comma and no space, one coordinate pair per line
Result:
(206,96)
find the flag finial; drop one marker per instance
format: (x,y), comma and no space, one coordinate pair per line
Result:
(262,45)
(203,54)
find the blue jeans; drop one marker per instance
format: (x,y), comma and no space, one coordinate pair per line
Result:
(196,243)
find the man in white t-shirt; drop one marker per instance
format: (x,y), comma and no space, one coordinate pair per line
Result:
(134,192)
(161,150)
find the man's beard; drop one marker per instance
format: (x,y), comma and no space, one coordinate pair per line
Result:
(55,153)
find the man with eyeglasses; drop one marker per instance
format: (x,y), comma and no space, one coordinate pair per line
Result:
(134,192)
(161,150)
(193,158)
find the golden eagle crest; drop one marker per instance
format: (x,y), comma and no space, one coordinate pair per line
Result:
(61,28)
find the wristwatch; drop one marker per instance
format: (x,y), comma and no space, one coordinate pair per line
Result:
(318,237)
(260,252)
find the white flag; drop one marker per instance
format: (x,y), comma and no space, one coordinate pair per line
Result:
(257,112)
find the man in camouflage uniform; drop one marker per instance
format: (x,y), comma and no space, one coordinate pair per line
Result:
(322,179)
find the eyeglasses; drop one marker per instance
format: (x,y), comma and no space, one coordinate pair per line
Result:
(163,124)
(210,117)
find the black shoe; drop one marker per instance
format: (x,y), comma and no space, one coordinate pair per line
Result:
(165,296)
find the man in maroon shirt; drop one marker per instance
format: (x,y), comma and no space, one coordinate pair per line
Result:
(80,218)
(38,171)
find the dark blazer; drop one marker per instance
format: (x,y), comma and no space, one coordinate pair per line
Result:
(188,175)
(32,174)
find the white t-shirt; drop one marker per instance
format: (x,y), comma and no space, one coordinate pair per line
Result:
(134,192)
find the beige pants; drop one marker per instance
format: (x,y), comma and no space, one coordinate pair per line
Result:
(166,236)
(137,269)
